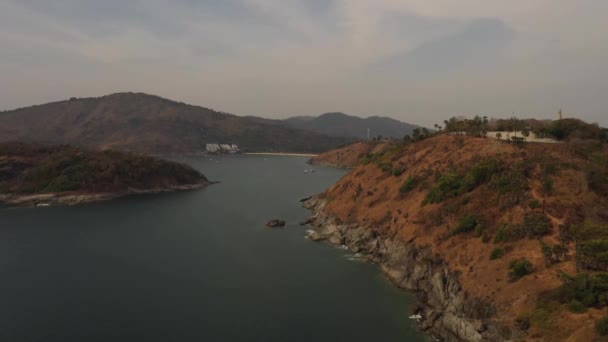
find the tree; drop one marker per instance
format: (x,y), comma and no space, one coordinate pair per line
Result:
(416,134)
(547,253)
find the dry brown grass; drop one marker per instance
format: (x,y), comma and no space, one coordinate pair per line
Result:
(370,196)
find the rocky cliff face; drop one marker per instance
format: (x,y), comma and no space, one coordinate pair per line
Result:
(447,312)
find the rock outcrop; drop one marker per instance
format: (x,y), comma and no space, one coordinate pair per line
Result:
(447,312)
(275,223)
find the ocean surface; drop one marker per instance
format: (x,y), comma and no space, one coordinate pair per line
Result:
(193,266)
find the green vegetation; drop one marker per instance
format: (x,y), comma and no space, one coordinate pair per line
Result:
(519,268)
(398,171)
(602,326)
(533,204)
(480,173)
(570,128)
(479,231)
(28,169)
(408,185)
(478,126)
(370,158)
(511,184)
(536,224)
(543,315)
(448,185)
(576,307)
(497,253)
(553,254)
(466,223)
(591,246)
(452,184)
(591,290)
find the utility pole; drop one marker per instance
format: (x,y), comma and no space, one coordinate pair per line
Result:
(368,134)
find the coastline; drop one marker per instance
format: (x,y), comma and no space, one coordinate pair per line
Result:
(71,198)
(447,312)
(281,154)
(315,162)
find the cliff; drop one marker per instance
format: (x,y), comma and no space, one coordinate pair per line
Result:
(465,223)
(33,174)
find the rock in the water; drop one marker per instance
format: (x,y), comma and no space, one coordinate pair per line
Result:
(275,223)
(307,221)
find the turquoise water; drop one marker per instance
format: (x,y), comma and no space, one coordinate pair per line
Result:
(193,266)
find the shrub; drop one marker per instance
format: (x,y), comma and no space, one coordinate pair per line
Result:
(408,185)
(501,235)
(480,173)
(466,224)
(536,224)
(497,253)
(548,186)
(523,322)
(447,186)
(370,158)
(533,204)
(587,289)
(576,306)
(385,167)
(512,183)
(519,268)
(398,171)
(479,231)
(602,326)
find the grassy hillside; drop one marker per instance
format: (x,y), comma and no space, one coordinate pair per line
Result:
(150,124)
(525,225)
(350,155)
(34,169)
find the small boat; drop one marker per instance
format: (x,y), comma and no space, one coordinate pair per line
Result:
(305,171)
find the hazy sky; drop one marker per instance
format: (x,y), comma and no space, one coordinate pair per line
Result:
(416,60)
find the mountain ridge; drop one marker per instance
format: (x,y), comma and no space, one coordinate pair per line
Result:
(341,124)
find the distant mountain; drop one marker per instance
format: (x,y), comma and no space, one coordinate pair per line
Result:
(150,124)
(342,125)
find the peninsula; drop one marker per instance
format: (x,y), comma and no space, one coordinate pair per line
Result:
(500,240)
(39,175)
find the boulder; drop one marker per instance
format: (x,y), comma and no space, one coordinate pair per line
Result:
(275,223)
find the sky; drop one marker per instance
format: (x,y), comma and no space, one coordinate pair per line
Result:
(419,61)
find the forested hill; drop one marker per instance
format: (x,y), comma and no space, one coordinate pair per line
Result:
(151,124)
(36,169)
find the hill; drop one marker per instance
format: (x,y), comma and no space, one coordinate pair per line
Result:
(350,155)
(150,124)
(501,241)
(342,125)
(32,174)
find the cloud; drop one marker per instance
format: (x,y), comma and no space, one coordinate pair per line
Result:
(416,60)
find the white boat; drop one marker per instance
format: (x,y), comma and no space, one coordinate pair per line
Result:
(305,171)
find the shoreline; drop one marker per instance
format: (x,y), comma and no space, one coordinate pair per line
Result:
(281,154)
(447,312)
(71,198)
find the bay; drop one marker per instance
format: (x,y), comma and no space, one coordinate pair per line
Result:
(193,266)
